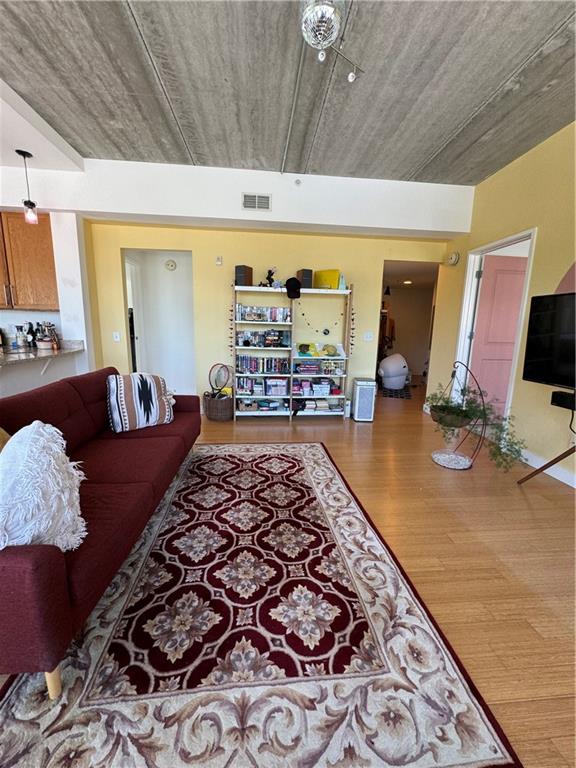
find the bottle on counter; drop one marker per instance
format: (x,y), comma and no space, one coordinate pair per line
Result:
(20,337)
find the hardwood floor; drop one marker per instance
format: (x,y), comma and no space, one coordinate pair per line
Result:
(493,561)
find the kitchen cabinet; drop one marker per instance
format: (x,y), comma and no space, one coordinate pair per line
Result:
(5,302)
(27,267)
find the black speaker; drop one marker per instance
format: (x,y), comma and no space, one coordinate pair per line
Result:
(242,275)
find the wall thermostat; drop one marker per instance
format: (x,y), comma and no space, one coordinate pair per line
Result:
(453,258)
(170,265)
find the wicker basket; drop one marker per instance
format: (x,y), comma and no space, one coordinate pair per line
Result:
(219,408)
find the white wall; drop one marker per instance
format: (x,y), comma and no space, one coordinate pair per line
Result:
(200,196)
(23,128)
(411,308)
(67,240)
(164,321)
(11,317)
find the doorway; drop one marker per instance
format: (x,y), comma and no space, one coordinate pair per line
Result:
(160,316)
(407,315)
(495,299)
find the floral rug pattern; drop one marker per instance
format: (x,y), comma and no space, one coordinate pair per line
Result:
(259,621)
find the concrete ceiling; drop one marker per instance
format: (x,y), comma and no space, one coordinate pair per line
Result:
(452,91)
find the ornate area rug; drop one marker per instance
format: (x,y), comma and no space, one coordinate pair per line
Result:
(260,621)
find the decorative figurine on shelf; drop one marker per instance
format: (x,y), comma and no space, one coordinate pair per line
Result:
(269,278)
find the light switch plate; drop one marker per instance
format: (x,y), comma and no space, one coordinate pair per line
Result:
(115,335)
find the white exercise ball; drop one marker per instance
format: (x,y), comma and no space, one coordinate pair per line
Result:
(394,371)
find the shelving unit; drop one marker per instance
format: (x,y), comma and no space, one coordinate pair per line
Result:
(285,356)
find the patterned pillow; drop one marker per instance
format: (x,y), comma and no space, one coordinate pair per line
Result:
(39,490)
(138,400)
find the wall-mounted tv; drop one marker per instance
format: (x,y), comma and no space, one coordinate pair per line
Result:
(549,357)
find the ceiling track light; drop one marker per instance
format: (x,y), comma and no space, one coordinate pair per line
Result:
(353,74)
(30,213)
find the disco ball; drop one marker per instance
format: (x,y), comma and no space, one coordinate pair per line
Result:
(320,23)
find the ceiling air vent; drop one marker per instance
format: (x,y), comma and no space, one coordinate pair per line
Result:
(256,202)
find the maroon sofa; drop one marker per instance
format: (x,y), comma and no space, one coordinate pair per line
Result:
(46,594)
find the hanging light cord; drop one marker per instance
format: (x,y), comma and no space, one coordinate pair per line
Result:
(27,184)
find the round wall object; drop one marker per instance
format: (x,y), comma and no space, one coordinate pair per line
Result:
(170,265)
(453,258)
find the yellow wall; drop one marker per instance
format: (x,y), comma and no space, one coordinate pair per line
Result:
(360,259)
(535,191)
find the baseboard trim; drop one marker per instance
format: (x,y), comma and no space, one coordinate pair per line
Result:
(556,471)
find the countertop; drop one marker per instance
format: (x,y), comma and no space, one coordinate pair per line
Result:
(28,355)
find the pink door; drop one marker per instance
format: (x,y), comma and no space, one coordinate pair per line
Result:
(497,313)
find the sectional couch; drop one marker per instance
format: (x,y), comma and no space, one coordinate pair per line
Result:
(46,594)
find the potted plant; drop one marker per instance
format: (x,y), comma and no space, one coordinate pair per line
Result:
(451,414)
(469,408)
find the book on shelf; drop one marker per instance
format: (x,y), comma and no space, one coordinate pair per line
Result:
(253,364)
(309,367)
(263,314)
(269,338)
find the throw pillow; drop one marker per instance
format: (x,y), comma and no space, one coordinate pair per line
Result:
(4,437)
(39,490)
(138,400)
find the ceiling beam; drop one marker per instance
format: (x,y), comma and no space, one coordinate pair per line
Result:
(328,86)
(294,101)
(160,81)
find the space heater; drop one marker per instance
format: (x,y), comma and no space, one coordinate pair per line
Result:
(363,396)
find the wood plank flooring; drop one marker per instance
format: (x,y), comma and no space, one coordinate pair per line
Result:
(493,561)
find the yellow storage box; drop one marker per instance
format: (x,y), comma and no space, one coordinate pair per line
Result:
(327,278)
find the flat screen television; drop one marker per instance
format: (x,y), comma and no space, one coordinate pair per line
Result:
(549,357)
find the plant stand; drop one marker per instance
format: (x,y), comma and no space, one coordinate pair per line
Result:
(452,459)
(550,463)
(476,428)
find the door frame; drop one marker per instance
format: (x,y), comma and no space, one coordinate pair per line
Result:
(471,296)
(132,264)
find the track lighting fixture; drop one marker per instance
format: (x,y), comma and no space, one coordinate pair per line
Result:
(321,22)
(30,213)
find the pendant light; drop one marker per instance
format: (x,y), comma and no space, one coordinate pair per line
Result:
(30,213)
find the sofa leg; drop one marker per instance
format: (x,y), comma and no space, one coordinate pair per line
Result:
(54,683)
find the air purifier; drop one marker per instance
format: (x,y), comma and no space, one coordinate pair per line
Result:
(363,396)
